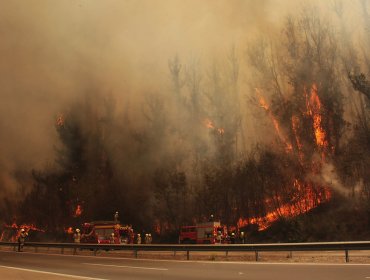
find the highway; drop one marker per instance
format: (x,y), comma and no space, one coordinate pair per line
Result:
(27,265)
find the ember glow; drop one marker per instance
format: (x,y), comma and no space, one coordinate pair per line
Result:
(78,211)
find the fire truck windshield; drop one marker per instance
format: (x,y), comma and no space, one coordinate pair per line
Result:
(104,233)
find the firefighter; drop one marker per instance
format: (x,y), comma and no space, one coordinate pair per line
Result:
(232,238)
(112,238)
(116,217)
(219,237)
(77,236)
(150,238)
(146,238)
(242,237)
(211,218)
(138,240)
(21,239)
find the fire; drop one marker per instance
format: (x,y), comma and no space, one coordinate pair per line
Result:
(306,198)
(295,126)
(209,124)
(60,120)
(69,230)
(306,195)
(263,104)
(78,211)
(15,231)
(314,110)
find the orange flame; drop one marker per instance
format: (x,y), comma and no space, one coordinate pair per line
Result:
(209,124)
(17,229)
(306,199)
(60,120)
(314,110)
(306,195)
(78,211)
(69,230)
(295,126)
(263,104)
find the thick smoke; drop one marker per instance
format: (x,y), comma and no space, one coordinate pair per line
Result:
(54,54)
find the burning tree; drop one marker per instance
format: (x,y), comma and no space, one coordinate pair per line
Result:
(298,77)
(181,155)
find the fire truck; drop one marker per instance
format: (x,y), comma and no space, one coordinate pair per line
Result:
(105,232)
(203,233)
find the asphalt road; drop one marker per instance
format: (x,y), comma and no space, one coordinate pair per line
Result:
(26,265)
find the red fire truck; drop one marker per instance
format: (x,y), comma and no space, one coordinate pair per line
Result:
(104,232)
(203,233)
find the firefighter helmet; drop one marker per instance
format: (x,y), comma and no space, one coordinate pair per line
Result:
(77,230)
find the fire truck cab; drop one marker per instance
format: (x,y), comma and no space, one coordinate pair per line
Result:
(105,232)
(203,233)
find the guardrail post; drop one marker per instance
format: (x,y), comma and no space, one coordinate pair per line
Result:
(174,254)
(74,251)
(135,254)
(227,254)
(187,255)
(256,254)
(347,257)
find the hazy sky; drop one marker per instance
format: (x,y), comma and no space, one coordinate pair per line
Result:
(52,52)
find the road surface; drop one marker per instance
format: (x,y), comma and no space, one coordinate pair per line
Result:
(26,265)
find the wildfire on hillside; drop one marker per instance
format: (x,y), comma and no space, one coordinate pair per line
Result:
(307,195)
(282,137)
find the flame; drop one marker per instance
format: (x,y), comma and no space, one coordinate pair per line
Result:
(78,211)
(306,198)
(17,229)
(69,230)
(221,131)
(306,195)
(314,110)
(295,126)
(263,104)
(209,124)
(60,120)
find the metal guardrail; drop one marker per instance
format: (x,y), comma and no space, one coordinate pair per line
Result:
(290,247)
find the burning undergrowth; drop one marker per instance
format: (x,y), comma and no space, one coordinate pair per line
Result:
(257,136)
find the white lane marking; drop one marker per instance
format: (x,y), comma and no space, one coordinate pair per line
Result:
(126,266)
(52,273)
